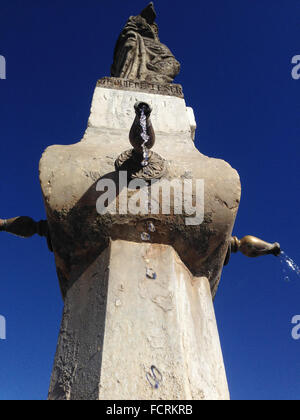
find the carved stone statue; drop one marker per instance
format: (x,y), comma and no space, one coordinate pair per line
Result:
(139,54)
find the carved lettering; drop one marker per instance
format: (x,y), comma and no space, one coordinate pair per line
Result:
(141,86)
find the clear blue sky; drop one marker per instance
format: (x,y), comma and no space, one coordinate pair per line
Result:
(236,74)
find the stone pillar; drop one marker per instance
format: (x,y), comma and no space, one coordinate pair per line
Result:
(118,323)
(138,321)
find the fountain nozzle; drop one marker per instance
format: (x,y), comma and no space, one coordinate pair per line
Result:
(140,162)
(276,249)
(142,106)
(136,131)
(253,247)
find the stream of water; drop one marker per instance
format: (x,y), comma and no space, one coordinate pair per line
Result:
(145,137)
(289,266)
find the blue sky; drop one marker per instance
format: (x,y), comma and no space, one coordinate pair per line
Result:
(236,74)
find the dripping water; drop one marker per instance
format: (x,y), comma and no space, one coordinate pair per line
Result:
(145,236)
(150,273)
(145,137)
(151,227)
(289,266)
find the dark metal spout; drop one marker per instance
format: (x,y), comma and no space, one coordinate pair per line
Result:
(136,130)
(141,162)
(25,227)
(142,106)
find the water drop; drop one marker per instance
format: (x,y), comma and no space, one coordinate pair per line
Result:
(289,264)
(145,236)
(151,274)
(151,227)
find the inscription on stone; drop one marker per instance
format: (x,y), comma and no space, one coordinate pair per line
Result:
(141,86)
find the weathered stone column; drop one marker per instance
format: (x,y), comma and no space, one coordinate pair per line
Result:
(139,320)
(118,324)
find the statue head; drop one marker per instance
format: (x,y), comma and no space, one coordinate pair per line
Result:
(143,24)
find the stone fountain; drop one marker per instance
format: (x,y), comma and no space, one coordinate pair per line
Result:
(138,286)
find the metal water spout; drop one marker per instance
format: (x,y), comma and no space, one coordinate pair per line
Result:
(26,227)
(140,162)
(136,131)
(252,247)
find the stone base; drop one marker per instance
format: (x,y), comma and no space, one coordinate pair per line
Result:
(126,335)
